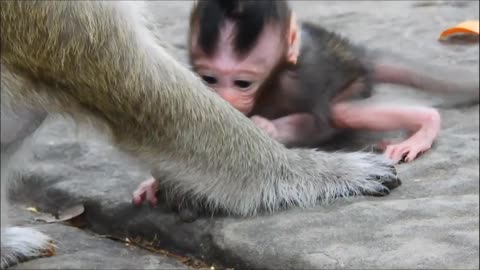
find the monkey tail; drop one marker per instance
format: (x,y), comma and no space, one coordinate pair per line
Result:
(459,85)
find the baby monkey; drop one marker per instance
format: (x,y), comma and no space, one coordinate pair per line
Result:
(301,83)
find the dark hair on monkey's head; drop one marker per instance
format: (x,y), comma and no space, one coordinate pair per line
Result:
(249,17)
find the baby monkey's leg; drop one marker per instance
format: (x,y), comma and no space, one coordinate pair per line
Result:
(423,122)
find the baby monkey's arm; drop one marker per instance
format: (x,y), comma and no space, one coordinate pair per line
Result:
(423,122)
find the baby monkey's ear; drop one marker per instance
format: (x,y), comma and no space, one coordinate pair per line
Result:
(293,41)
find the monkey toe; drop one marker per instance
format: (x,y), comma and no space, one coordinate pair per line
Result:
(151,195)
(392,169)
(382,193)
(146,191)
(388,186)
(393,184)
(386,179)
(390,182)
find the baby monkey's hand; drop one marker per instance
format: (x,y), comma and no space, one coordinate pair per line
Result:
(266,125)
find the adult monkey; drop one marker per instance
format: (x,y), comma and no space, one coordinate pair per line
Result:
(99,59)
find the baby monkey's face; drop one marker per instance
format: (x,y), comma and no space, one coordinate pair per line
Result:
(237,79)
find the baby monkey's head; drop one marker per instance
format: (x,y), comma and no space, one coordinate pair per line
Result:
(235,45)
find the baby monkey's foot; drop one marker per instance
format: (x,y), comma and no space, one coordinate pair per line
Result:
(146,191)
(266,125)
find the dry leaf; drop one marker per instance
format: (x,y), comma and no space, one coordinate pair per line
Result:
(64,215)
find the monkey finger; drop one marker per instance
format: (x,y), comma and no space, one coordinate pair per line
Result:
(392,153)
(411,156)
(402,153)
(414,153)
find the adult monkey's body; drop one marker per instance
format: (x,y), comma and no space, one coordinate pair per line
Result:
(298,85)
(97,58)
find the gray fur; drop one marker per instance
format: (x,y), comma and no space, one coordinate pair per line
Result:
(98,58)
(21,243)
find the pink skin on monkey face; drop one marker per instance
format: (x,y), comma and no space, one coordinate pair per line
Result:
(237,80)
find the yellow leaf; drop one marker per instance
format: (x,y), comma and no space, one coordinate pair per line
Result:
(32,209)
(465,28)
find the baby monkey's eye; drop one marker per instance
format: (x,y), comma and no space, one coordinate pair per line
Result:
(209,79)
(242,84)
